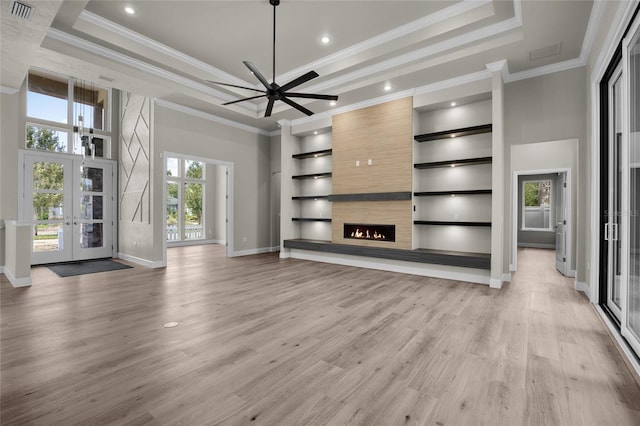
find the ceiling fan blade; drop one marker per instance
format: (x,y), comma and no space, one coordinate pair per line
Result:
(233,85)
(258,74)
(267,112)
(296,105)
(243,99)
(311,96)
(298,81)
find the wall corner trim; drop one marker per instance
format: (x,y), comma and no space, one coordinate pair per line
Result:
(16,282)
(583,287)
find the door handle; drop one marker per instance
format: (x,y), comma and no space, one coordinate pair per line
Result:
(68,223)
(615,232)
(606,232)
(75,223)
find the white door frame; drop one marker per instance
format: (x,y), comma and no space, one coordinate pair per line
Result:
(514,214)
(229,199)
(22,153)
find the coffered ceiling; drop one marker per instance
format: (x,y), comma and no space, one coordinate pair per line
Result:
(167,49)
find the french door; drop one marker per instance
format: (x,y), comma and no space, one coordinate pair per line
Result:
(560,226)
(69,202)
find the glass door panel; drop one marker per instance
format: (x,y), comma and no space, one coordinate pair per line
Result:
(93,228)
(48,208)
(613,212)
(193,202)
(631,323)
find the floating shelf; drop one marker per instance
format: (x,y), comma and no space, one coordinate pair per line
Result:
(312,176)
(453,163)
(314,154)
(438,257)
(459,192)
(310,197)
(450,223)
(311,219)
(455,133)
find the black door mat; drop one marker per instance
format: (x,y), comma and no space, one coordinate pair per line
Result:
(86,267)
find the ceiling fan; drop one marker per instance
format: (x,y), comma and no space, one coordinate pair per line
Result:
(275,92)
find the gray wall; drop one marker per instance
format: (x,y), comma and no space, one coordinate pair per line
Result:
(542,109)
(535,238)
(249,152)
(276,178)
(9,142)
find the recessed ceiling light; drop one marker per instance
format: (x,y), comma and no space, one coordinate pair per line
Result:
(453,104)
(332,103)
(129,10)
(325,39)
(387,87)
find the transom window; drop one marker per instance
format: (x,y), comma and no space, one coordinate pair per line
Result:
(54,124)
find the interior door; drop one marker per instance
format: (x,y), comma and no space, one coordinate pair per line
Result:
(561,223)
(69,202)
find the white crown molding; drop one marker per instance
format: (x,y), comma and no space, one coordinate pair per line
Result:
(453,82)
(420,54)
(93,19)
(401,31)
(210,117)
(104,52)
(8,90)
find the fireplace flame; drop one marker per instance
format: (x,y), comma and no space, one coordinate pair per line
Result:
(358,234)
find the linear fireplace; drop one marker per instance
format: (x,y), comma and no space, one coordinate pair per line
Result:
(370,232)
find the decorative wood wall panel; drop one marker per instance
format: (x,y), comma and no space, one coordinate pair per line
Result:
(135,158)
(396,213)
(381,133)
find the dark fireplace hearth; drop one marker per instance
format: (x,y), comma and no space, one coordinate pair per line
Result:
(370,232)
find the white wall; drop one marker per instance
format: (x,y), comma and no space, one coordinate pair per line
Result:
(189,135)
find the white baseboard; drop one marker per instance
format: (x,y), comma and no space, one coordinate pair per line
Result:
(512,268)
(16,282)
(494,283)
(1,269)
(437,271)
(537,245)
(142,262)
(193,243)
(583,287)
(571,273)
(506,278)
(250,252)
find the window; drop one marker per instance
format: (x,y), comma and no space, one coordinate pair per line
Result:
(51,118)
(185,200)
(536,205)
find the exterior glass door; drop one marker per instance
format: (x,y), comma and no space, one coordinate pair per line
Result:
(49,207)
(631,189)
(69,201)
(613,213)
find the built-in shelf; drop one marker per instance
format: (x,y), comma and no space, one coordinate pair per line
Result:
(314,154)
(454,133)
(311,219)
(437,257)
(372,196)
(459,192)
(453,163)
(450,223)
(312,176)
(310,197)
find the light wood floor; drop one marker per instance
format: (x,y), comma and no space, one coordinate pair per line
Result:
(289,342)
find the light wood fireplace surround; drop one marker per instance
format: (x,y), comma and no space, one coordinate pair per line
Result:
(372,172)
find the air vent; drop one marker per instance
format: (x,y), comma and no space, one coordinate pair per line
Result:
(21,10)
(545,52)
